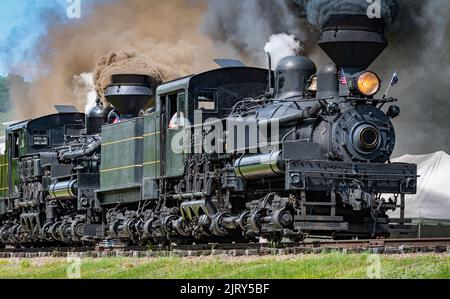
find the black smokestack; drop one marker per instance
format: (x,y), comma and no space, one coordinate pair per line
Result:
(129,93)
(353,41)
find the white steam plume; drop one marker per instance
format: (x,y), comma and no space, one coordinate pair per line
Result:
(282,45)
(84,89)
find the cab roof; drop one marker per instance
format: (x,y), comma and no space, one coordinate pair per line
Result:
(183,83)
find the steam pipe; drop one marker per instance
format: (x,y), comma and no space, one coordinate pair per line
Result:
(270,71)
(80,153)
(304,114)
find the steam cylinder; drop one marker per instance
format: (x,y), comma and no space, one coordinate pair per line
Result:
(64,190)
(253,167)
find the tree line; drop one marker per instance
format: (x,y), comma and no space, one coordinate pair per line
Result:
(5,105)
(7,84)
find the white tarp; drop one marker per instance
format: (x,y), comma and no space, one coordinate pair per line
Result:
(432,200)
(2,145)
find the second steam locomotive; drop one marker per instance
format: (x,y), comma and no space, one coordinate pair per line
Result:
(160,173)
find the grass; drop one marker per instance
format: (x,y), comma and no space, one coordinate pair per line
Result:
(308,266)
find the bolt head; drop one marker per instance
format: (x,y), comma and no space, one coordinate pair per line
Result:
(296,178)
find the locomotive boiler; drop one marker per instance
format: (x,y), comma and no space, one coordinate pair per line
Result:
(229,155)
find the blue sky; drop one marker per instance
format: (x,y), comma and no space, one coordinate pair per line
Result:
(11,14)
(21,25)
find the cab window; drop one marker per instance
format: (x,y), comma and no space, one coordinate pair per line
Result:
(207,100)
(176,103)
(14,141)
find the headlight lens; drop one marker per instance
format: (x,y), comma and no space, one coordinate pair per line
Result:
(368,83)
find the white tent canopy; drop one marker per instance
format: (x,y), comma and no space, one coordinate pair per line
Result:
(2,145)
(432,200)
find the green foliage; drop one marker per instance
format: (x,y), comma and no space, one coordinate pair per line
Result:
(4,95)
(334,265)
(4,117)
(11,82)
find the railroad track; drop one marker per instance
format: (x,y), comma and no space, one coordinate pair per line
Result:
(382,246)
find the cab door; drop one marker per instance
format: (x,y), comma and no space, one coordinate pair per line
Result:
(15,145)
(173,125)
(4,187)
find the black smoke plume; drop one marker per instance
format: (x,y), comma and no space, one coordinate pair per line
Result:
(174,44)
(418,32)
(319,11)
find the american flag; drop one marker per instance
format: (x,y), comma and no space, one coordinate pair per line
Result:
(342,77)
(395,79)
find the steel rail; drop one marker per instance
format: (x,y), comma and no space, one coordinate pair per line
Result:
(378,246)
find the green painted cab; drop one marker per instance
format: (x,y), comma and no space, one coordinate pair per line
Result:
(152,133)
(122,161)
(4,186)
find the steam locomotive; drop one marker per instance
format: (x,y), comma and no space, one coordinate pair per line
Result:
(139,172)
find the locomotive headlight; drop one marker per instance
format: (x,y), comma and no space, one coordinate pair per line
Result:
(368,83)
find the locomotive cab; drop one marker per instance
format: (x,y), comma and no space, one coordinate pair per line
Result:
(14,148)
(193,100)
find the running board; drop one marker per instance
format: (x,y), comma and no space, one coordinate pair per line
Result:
(321,226)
